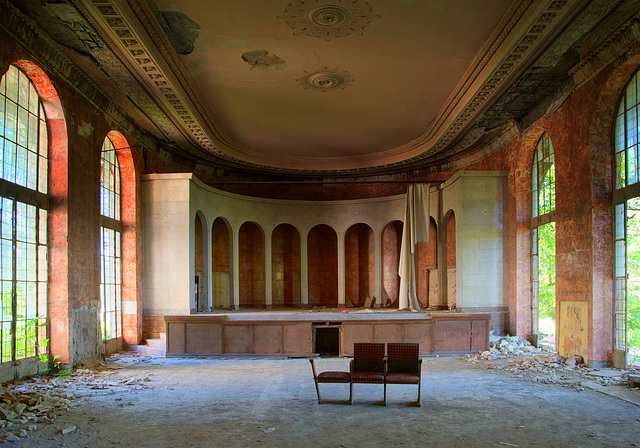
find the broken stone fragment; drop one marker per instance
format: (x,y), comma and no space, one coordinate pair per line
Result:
(7,414)
(66,431)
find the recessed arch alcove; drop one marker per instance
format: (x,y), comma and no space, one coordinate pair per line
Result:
(322,243)
(285,266)
(391,243)
(450,257)
(221,263)
(251,261)
(359,253)
(201,253)
(428,268)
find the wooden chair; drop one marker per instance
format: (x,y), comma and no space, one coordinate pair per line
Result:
(367,365)
(404,365)
(329,377)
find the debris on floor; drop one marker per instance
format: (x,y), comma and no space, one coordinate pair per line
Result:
(25,404)
(542,365)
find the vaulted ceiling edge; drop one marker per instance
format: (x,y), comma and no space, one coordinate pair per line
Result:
(137,38)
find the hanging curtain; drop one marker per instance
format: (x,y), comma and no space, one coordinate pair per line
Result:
(415,230)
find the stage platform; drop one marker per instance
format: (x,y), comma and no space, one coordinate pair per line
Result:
(298,333)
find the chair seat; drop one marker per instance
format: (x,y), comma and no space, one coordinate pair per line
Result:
(366,377)
(402,378)
(334,377)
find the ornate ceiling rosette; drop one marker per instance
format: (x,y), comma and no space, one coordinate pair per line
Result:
(326,79)
(328,20)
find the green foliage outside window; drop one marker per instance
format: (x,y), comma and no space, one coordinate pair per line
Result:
(547,271)
(633,272)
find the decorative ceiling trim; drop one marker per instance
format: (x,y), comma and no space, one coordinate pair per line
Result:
(337,18)
(125,34)
(607,51)
(518,57)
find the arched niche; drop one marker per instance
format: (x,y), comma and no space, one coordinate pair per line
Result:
(251,263)
(201,253)
(450,257)
(221,263)
(359,253)
(322,248)
(285,266)
(427,275)
(391,244)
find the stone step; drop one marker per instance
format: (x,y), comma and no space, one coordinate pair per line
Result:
(147,350)
(157,343)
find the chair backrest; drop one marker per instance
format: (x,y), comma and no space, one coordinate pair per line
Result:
(402,357)
(368,357)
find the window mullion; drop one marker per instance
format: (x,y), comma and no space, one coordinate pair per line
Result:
(14,277)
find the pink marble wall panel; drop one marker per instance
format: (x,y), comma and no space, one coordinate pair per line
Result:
(175,337)
(267,339)
(359,264)
(353,332)
(451,241)
(153,325)
(322,252)
(427,259)
(421,333)
(298,338)
(285,266)
(251,265)
(391,243)
(388,333)
(198,243)
(220,246)
(237,338)
(203,338)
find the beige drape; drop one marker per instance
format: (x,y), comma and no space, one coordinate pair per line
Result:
(415,230)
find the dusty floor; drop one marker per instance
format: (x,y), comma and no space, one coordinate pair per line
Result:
(243,402)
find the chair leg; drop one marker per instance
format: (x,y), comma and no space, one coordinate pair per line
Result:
(384,401)
(350,393)
(419,384)
(318,392)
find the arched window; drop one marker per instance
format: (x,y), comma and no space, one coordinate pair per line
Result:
(110,244)
(23,217)
(543,242)
(627,222)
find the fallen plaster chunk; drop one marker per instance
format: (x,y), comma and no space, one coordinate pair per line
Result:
(66,431)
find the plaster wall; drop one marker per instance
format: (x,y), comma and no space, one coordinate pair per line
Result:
(479,202)
(169,239)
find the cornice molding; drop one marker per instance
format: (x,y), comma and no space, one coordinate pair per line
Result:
(42,47)
(610,49)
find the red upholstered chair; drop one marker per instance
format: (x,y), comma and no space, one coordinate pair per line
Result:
(404,365)
(367,365)
(329,377)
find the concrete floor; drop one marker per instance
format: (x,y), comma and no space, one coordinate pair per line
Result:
(258,402)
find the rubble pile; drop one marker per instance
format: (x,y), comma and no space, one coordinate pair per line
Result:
(541,365)
(24,404)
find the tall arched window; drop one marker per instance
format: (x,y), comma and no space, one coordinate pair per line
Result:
(110,244)
(543,242)
(23,217)
(627,222)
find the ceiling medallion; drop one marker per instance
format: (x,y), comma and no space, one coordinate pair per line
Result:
(336,18)
(325,80)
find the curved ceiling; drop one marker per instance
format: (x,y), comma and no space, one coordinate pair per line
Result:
(391,75)
(328,86)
